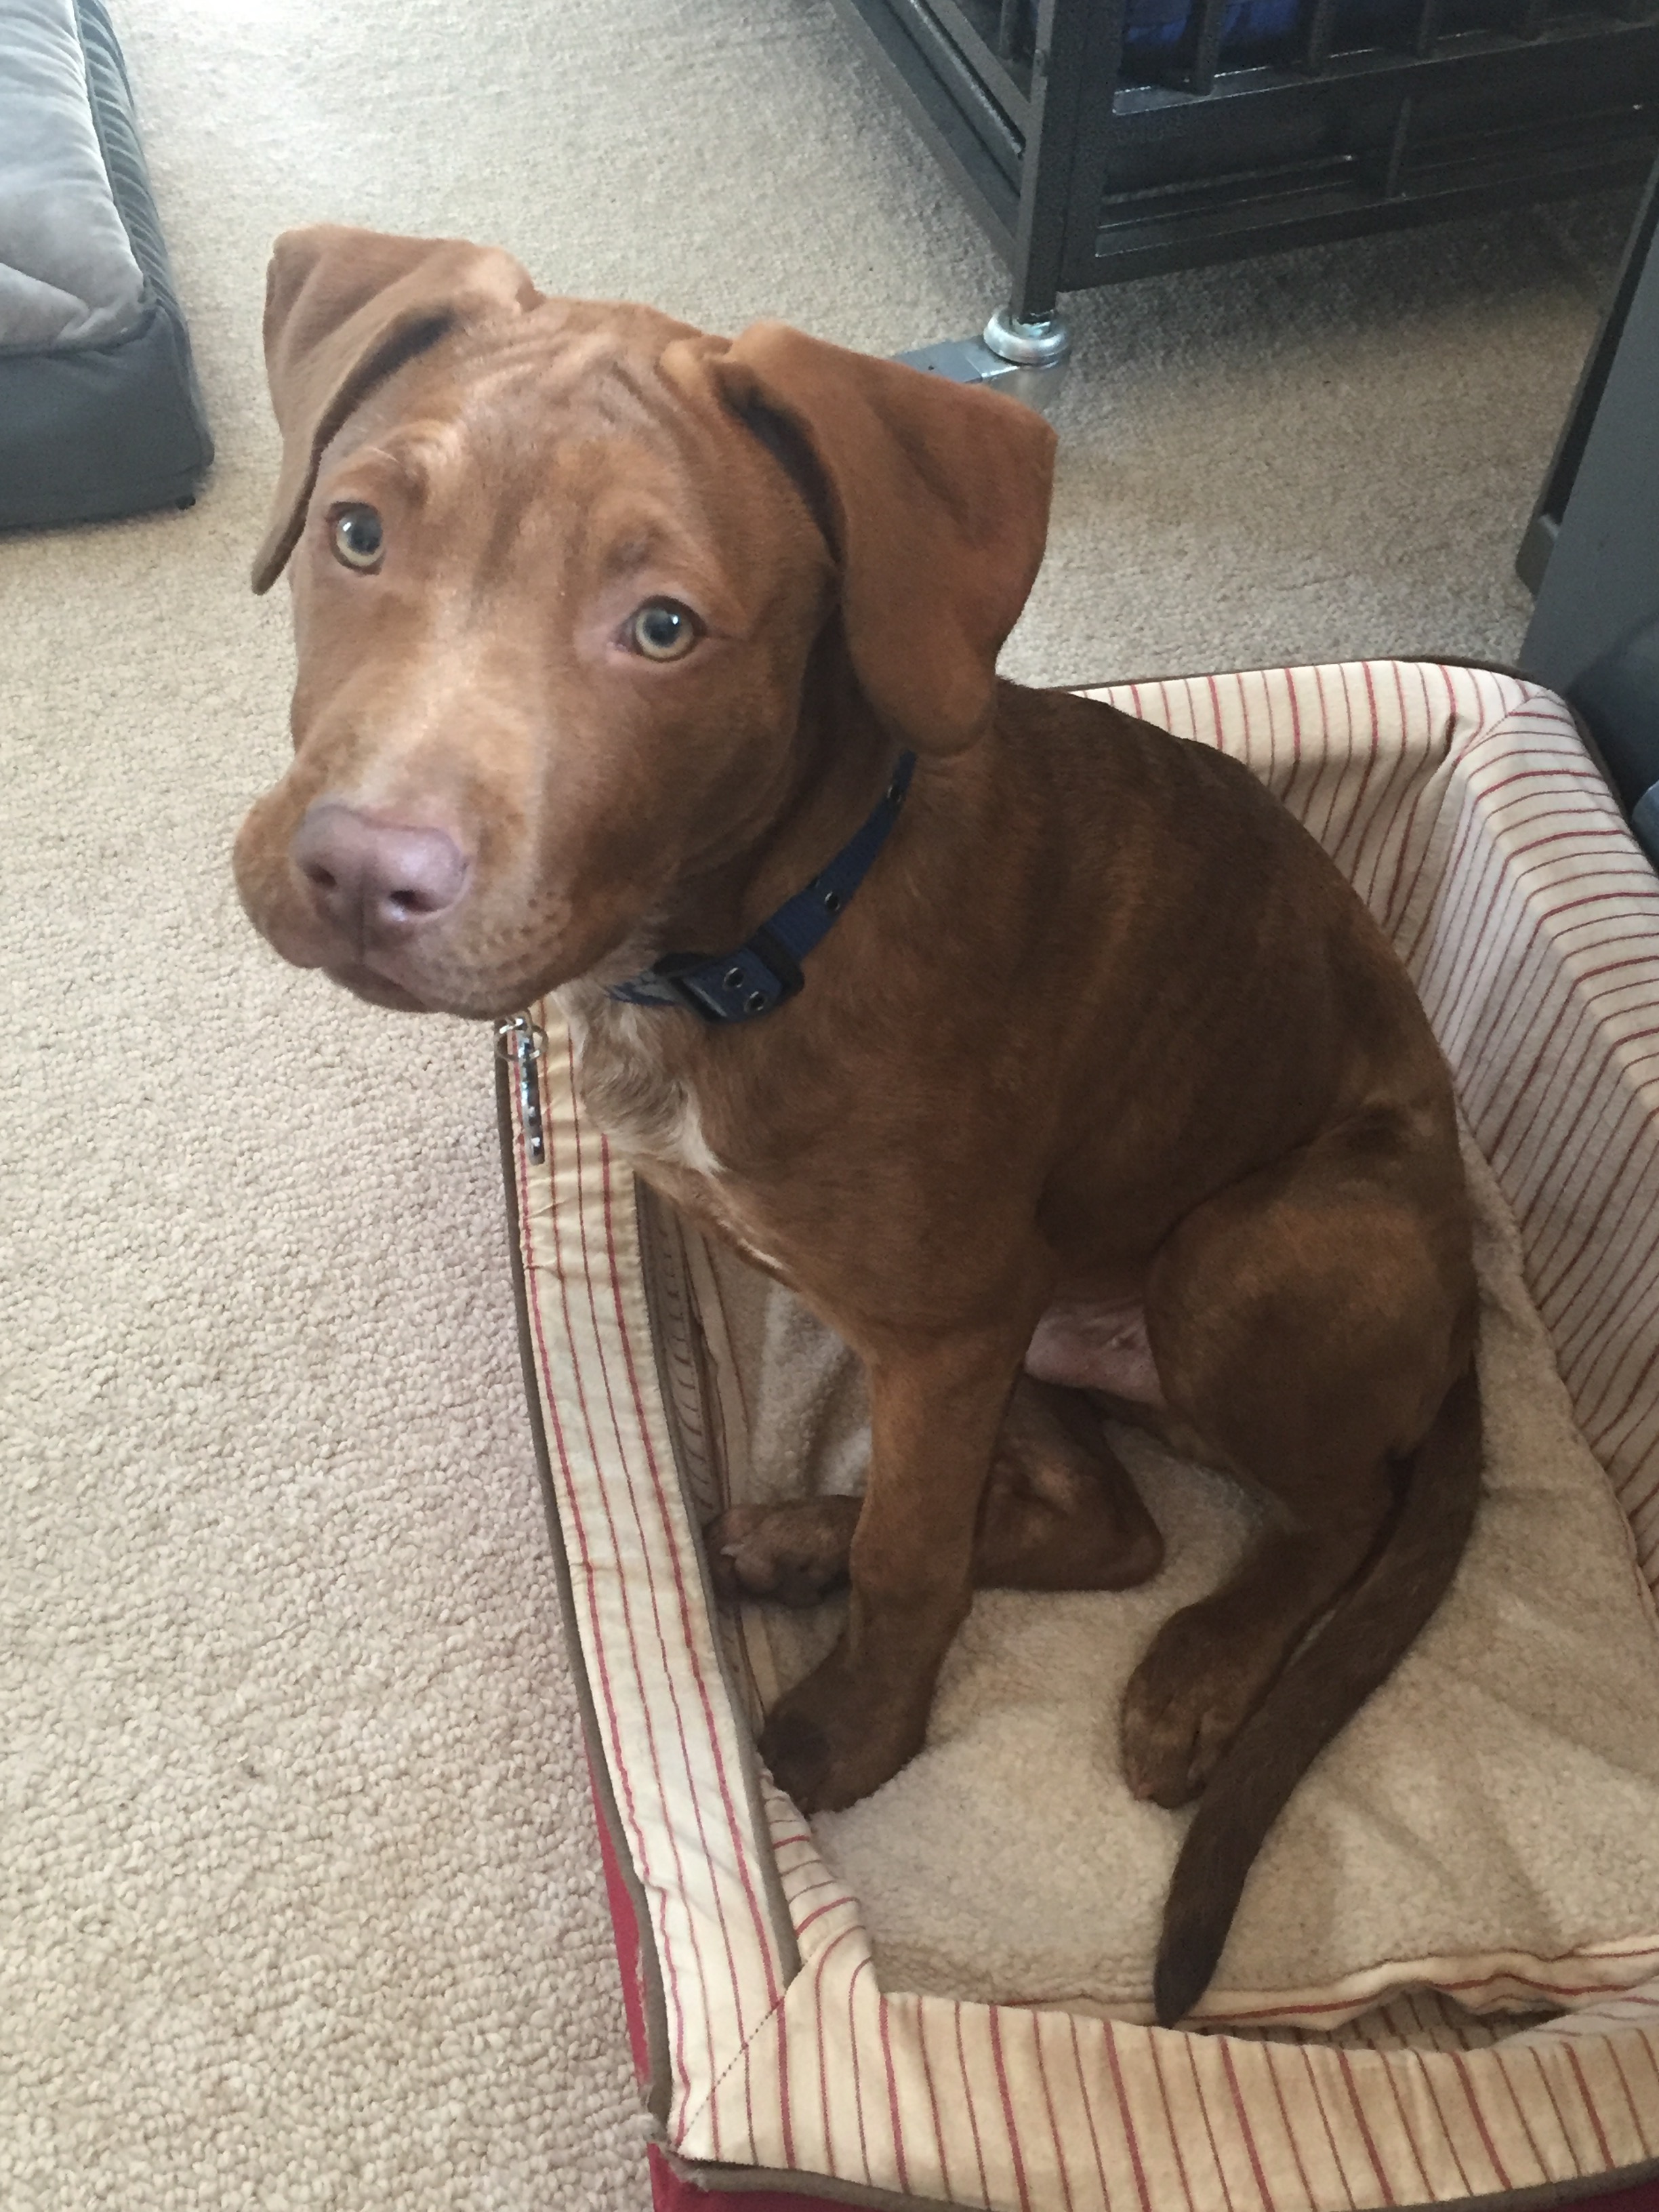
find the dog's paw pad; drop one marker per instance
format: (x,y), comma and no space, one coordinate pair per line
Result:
(1183,1708)
(791,1554)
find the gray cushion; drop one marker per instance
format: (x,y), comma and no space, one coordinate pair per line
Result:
(68,274)
(100,413)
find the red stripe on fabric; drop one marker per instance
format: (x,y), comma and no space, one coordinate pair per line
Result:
(1589,2106)
(624,1592)
(1448,912)
(883,2007)
(1391,2075)
(1601,1440)
(1646,1502)
(1325,756)
(1469,823)
(1497,938)
(968,2099)
(1131,2136)
(1218,717)
(1555,2107)
(1555,1267)
(1617,2056)
(1619,1276)
(1357,806)
(1192,721)
(1372,832)
(1566,1181)
(1482,819)
(1330,2133)
(786,2090)
(835,1904)
(668,1671)
(858,2071)
(1641,1140)
(810,1889)
(1296,729)
(737,1825)
(621,1775)
(736,1830)
(1460,2065)
(1270,2055)
(1500,2059)
(1009,2126)
(819,1969)
(1650,2054)
(1089,2112)
(1395,905)
(1497,1142)
(1543,966)
(1493,1139)
(625,1933)
(933,2097)
(1156,2045)
(1189,2045)
(1346,2071)
(1035,2019)
(1242,2110)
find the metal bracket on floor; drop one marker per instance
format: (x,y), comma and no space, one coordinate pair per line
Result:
(1028,361)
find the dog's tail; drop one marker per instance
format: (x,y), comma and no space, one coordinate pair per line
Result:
(1325,1682)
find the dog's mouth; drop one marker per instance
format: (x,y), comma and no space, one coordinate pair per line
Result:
(379,990)
(479,1000)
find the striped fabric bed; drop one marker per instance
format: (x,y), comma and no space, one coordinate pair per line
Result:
(1462,804)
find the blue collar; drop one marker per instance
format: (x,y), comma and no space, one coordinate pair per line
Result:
(765,970)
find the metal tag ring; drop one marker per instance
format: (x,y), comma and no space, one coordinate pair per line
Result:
(521,1035)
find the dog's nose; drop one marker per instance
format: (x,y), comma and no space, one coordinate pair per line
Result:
(376,879)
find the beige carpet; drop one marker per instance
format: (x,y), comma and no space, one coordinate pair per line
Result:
(300,1903)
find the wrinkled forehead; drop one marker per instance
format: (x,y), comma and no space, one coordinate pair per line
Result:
(566,421)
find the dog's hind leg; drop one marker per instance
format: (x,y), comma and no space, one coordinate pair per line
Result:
(1059,1512)
(1316,1323)
(1308,1322)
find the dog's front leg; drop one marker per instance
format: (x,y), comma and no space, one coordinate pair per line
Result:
(935,1412)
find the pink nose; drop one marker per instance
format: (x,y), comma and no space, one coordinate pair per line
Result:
(374,880)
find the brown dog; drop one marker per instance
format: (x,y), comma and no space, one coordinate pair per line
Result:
(610,636)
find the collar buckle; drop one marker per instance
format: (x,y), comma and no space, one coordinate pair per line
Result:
(766,969)
(734,986)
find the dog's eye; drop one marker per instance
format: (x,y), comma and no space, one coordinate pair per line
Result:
(662,629)
(359,537)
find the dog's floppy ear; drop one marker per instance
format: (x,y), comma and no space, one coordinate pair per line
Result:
(938,505)
(343,308)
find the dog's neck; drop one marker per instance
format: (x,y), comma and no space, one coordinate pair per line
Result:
(638,1065)
(841,759)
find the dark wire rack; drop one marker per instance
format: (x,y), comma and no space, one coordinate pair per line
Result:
(1098,140)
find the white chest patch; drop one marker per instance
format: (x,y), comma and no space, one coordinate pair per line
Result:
(650,1113)
(645,1110)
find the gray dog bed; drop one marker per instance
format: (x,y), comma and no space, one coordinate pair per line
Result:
(100,413)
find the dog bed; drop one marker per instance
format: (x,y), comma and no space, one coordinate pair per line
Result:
(100,413)
(801,2024)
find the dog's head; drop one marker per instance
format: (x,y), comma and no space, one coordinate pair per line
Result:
(559,570)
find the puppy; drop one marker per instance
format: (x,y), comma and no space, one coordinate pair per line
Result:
(1043,1054)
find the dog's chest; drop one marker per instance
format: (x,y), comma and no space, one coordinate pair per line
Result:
(652,1115)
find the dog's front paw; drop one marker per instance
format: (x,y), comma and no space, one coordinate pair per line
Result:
(794,1554)
(832,1738)
(1186,1702)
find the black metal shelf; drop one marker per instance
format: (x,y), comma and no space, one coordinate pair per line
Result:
(1089,160)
